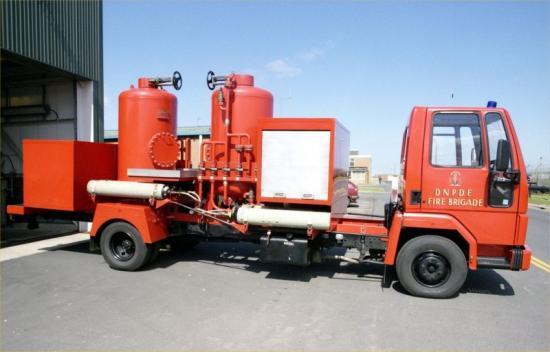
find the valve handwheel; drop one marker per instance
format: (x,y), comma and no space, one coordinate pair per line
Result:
(177,80)
(210,80)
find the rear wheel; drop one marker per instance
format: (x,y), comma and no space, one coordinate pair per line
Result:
(431,266)
(123,248)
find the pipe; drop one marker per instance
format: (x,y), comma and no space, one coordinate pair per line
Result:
(226,122)
(343,258)
(202,212)
(246,136)
(211,200)
(212,145)
(352,260)
(260,216)
(200,189)
(187,153)
(128,189)
(225,192)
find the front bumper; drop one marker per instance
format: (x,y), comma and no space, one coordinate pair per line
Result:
(525,258)
(518,258)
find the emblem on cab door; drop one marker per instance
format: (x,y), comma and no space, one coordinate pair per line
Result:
(455,179)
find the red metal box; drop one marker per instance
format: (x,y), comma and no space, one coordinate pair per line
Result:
(304,161)
(55,172)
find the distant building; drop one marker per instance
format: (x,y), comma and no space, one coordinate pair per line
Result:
(386,178)
(360,166)
(197,134)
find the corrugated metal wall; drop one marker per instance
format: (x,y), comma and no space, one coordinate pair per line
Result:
(64,34)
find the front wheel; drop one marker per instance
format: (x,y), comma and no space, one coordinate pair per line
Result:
(431,266)
(123,248)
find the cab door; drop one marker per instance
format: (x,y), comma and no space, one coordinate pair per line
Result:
(459,176)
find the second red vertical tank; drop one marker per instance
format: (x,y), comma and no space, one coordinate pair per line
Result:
(237,108)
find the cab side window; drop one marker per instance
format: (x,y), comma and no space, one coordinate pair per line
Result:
(456,140)
(495,132)
(501,192)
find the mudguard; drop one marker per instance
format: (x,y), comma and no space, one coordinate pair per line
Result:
(403,221)
(150,225)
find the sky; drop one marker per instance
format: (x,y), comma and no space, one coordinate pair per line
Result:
(365,63)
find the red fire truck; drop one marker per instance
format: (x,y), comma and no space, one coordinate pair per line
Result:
(282,183)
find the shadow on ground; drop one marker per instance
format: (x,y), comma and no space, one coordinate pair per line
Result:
(482,281)
(487,281)
(243,256)
(20,233)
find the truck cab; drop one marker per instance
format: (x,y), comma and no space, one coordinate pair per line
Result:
(463,180)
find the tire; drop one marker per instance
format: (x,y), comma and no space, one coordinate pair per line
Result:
(431,266)
(123,248)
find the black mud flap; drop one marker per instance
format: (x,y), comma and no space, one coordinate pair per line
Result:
(283,251)
(389,276)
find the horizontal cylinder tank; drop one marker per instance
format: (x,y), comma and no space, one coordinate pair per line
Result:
(127,189)
(299,219)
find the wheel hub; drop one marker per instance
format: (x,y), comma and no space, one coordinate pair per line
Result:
(122,246)
(431,269)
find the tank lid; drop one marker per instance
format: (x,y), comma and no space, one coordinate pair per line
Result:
(244,80)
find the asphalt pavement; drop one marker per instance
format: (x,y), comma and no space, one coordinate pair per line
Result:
(219,296)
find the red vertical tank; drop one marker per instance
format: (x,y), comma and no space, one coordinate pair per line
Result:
(237,108)
(147,123)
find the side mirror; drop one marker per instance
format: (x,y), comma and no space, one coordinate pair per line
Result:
(503,155)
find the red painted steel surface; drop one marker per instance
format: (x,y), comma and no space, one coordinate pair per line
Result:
(150,223)
(20,209)
(147,126)
(358,224)
(526,262)
(56,172)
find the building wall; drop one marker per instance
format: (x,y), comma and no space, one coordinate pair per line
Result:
(361,161)
(60,96)
(195,150)
(360,167)
(54,46)
(359,177)
(65,35)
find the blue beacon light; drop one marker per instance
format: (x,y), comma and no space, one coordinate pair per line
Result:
(491,104)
